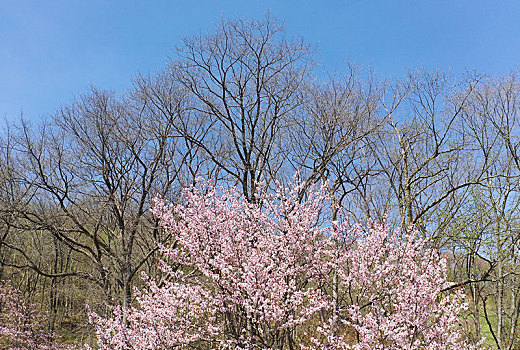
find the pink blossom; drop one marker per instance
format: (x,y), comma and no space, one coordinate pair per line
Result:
(23,325)
(242,275)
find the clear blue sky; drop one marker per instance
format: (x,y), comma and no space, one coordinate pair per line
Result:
(51,51)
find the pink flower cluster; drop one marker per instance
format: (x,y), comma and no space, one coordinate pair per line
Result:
(242,275)
(23,326)
(395,298)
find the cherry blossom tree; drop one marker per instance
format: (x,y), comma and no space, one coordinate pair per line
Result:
(278,273)
(393,296)
(23,326)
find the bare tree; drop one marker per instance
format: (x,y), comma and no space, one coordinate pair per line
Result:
(328,138)
(245,81)
(422,155)
(93,171)
(492,122)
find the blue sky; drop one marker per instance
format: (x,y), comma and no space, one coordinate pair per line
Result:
(51,51)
